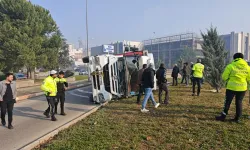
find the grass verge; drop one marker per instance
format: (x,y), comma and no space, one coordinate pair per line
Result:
(186,123)
(81,77)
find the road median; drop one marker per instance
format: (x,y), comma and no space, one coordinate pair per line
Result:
(28,95)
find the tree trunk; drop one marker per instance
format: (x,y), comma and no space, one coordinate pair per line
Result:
(32,75)
(217,89)
(28,73)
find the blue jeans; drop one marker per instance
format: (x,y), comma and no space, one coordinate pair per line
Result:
(148,94)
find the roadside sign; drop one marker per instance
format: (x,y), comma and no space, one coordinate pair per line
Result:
(108,48)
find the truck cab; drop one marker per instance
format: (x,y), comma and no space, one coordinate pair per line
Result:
(115,76)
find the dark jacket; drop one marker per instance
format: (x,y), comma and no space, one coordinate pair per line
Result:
(175,71)
(61,83)
(148,78)
(188,69)
(161,75)
(140,75)
(184,70)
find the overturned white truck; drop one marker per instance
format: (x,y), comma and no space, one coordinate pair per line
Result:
(115,76)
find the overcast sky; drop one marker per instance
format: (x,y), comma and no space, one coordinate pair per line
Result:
(117,20)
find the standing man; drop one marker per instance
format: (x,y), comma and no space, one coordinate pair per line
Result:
(175,73)
(148,85)
(184,73)
(197,74)
(62,85)
(49,86)
(237,76)
(161,76)
(191,76)
(188,69)
(8,95)
(141,89)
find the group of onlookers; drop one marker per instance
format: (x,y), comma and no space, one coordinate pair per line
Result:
(236,76)
(146,81)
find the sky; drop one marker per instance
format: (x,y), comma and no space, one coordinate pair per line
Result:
(138,20)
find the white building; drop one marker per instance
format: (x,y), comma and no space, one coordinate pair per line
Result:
(237,42)
(76,55)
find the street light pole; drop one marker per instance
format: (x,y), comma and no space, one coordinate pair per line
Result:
(87,33)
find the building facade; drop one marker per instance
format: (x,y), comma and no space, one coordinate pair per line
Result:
(237,43)
(76,55)
(169,49)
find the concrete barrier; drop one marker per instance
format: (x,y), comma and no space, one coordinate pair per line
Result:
(71,79)
(19,98)
(24,83)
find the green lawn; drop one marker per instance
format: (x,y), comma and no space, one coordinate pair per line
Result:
(81,77)
(186,123)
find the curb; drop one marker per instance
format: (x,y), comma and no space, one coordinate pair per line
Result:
(23,97)
(42,140)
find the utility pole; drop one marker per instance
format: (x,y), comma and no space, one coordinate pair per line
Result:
(87,33)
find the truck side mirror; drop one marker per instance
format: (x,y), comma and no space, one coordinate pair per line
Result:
(85,59)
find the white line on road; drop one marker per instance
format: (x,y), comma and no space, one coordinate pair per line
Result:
(84,91)
(72,93)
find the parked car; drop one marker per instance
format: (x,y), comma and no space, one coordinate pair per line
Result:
(68,73)
(83,72)
(20,76)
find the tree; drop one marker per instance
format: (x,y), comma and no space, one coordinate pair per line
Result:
(64,60)
(188,55)
(29,36)
(214,57)
(158,63)
(180,62)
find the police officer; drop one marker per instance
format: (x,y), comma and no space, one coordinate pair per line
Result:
(49,86)
(197,75)
(237,76)
(62,85)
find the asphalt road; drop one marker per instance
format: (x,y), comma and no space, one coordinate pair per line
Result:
(30,123)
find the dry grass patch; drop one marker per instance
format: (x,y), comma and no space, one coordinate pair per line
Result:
(186,123)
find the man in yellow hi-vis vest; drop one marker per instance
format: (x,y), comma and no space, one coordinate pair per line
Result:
(237,76)
(197,75)
(49,86)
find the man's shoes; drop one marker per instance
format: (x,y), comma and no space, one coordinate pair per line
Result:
(157,105)
(222,117)
(235,120)
(10,127)
(4,123)
(46,114)
(144,110)
(166,103)
(53,118)
(63,114)
(193,94)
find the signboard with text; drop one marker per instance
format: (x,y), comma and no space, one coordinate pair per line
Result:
(108,48)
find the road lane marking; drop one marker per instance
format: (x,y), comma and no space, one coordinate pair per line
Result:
(79,90)
(72,93)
